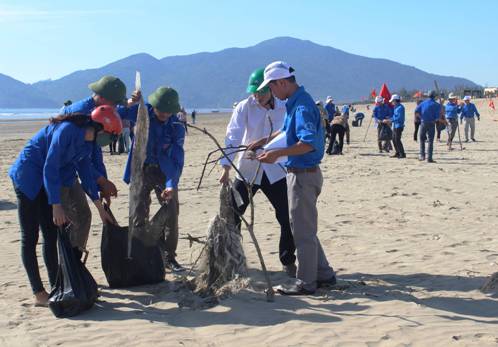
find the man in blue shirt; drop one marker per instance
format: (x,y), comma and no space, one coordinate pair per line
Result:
(398,121)
(469,111)
(429,112)
(305,148)
(330,108)
(345,114)
(452,109)
(163,163)
(382,114)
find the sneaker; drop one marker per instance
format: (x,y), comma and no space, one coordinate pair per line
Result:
(421,158)
(326,283)
(467,140)
(402,156)
(395,155)
(431,161)
(290,270)
(173,265)
(294,289)
(473,140)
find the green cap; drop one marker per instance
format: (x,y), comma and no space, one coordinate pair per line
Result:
(165,99)
(255,81)
(109,87)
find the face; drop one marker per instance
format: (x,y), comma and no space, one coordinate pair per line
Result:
(100,101)
(453,101)
(263,97)
(278,88)
(162,116)
(467,101)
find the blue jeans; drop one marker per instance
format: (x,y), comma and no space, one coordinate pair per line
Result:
(426,132)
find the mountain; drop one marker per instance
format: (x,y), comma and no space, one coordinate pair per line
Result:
(15,94)
(218,79)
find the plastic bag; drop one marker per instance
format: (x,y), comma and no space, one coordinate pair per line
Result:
(75,289)
(146,265)
(386,133)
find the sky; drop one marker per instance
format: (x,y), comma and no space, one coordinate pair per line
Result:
(52,38)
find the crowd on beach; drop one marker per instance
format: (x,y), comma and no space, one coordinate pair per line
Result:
(63,164)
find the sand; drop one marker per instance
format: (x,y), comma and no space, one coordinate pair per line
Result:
(421,237)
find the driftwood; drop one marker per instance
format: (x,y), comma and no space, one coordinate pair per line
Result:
(250,225)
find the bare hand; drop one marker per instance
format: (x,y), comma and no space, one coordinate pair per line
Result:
(167,194)
(225,176)
(58,215)
(135,97)
(107,189)
(268,157)
(256,144)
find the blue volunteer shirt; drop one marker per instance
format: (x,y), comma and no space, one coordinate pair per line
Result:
(330,108)
(303,123)
(469,111)
(51,159)
(164,145)
(381,112)
(429,110)
(345,110)
(86,106)
(398,118)
(452,110)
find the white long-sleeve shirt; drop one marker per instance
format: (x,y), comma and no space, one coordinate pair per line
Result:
(250,122)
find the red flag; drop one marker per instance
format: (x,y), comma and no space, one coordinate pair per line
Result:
(491,104)
(384,92)
(417,94)
(373,93)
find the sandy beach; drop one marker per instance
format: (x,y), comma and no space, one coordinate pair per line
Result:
(414,240)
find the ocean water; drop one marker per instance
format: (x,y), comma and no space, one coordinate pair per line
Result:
(12,114)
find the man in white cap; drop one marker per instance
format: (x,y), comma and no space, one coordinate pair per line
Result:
(330,108)
(398,122)
(469,111)
(305,148)
(451,110)
(382,114)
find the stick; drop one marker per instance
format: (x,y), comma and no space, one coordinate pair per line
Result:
(368,127)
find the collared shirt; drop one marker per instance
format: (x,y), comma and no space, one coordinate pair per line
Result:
(345,111)
(398,118)
(164,145)
(86,106)
(469,111)
(381,112)
(429,110)
(330,108)
(250,122)
(51,159)
(452,110)
(303,123)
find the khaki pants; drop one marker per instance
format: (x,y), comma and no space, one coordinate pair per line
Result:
(470,123)
(303,190)
(75,206)
(154,180)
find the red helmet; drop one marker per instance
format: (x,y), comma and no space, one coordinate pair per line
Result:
(109,118)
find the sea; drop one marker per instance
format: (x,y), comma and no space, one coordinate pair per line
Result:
(27,114)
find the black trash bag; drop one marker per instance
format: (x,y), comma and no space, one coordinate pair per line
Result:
(335,148)
(354,123)
(146,265)
(386,133)
(75,289)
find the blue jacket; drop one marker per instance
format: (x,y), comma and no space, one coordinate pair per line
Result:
(51,159)
(330,108)
(164,146)
(86,106)
(469,111)
(429,110)
(452,110)
(302,123)
(398,118)
(345,110)
(382,111)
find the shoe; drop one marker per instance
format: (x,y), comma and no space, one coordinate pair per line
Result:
(295,289)
(466,140)
(380,150)
(290,270)
(395,155)
(326,283)
(431,161)
(421,158)
(473,140)
(173,265)
(402,156)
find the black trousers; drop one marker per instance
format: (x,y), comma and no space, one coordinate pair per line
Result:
(336,129)
(33,215)
(277,195)
(398,145)
(415,133)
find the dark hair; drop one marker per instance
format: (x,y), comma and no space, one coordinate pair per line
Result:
(291,79)
(79,119)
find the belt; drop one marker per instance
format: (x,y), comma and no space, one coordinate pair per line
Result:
(302,170)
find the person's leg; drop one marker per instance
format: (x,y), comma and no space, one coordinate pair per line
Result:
(241,189)
(341,132)
(467,126)
(277,195)
(379,142)
(49,231)
(333,134)
(395,143)
(430,132)
(401,148)
(27,211)
(75,206)
(415,133)
(348,133)
(303,190)
(422,137)
(472,128)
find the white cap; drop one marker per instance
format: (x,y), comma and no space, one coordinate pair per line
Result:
(395,97)
(466,98)
(329,98)
(452,96)
(379,98)
(276,71)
